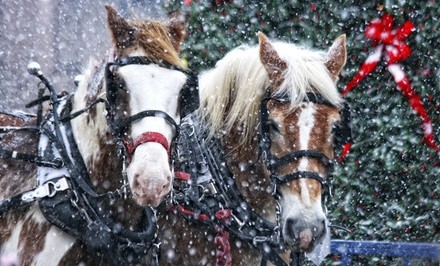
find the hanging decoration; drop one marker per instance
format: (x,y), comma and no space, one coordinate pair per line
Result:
(388,41)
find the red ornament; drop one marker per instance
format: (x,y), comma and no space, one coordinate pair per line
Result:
(390,40)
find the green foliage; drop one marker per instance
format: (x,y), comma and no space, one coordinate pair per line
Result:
(389,186)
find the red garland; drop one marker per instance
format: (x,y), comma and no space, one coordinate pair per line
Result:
(384,37)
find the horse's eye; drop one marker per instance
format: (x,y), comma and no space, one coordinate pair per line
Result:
(275,128)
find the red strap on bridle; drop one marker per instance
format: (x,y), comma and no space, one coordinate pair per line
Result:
(147,137)
(182,176)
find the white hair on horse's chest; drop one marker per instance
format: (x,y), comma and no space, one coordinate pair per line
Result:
(55,245)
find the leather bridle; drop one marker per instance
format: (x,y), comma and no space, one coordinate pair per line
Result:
(273,162)
(188,102)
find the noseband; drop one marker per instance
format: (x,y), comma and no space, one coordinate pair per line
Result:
(188,102)
(272,162)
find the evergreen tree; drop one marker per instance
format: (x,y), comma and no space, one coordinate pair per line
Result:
(388,187)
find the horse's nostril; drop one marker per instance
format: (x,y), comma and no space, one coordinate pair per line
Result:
(290,225)
(321,230)
(290,222)
(136,181)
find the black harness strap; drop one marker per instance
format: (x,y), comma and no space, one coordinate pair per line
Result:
(293,156)
(30,158)
(69,117)
(212,188)
(279,180)
(122,124)
(13,202)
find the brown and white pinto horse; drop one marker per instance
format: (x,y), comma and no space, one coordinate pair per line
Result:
(281,76)
(153,82)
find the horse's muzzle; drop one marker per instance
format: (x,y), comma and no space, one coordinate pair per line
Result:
(302,236)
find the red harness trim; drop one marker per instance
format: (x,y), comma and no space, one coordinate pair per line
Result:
(345,151)
(223,251)
(147,137)
(182,176)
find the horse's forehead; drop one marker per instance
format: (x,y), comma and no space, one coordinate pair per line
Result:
(322,116)
(300,185)
(159,77)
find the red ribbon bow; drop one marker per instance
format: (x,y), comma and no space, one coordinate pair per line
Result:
(381,32)
(384,37)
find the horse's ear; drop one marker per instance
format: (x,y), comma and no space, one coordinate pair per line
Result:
(274,65)
(336,56)
(176,28)
(122,32)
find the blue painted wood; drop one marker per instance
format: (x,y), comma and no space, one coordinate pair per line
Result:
(347,248)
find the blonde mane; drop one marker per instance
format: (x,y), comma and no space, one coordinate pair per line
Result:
(155,40)
(231,92)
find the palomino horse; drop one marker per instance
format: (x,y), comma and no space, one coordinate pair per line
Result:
(124,112)
(268,111)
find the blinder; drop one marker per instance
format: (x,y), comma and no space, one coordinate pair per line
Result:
(189,100)
(342,130)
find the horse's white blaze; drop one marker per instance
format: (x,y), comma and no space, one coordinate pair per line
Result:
(290,201)
(306,122)
(151,87)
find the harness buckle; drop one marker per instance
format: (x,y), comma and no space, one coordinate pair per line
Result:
(273,188)
(189,127)
(48,189)
(240,223)
(212,188)
(259,239)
